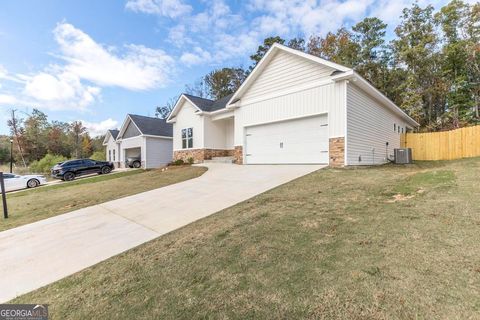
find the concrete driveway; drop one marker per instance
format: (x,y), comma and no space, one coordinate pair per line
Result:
(40,253)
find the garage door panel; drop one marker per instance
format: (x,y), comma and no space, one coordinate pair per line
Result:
(296,141)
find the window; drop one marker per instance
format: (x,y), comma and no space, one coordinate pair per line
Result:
(402,130)
(398,129)
(8,176)
(88,162)
(187,138)
(109,155)
(394,127)
(114,155)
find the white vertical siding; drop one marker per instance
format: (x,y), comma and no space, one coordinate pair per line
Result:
(369,126)
(328,98)
(159,152)
(187,118)
(285,71)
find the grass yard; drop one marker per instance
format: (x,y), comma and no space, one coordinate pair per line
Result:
(394,242)
(44,202)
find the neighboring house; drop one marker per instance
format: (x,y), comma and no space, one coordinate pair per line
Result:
(112,148)
(149,139)
(294,108)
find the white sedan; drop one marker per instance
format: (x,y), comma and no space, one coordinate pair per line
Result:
(16,182)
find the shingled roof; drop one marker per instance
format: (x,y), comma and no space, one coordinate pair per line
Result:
(114,133)
(152,126)
(208,105)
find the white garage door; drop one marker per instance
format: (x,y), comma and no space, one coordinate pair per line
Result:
(298,141)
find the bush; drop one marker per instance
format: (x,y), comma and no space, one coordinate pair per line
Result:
(190,160)
(178,162)
(99,156)
(46,163)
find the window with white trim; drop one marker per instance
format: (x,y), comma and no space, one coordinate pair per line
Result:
(187,138)
(109,155)
(113,154)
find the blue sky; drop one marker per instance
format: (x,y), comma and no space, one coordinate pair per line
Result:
(95,60)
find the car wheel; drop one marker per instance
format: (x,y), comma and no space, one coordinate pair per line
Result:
(68,176)
(106,170)
(136,164)
(33,183)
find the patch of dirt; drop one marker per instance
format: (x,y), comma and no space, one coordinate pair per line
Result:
(400,197)
(309,224)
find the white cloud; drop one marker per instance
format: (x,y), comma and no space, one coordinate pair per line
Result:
(198,56)
(167,8)
(87,66)
(140,68)
(60,91)
(6,99)
(96,129)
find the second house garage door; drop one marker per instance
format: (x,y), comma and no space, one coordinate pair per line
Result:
(299,141)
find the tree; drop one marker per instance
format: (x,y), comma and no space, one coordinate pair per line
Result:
(297,44)
(222,82)
(16,130)
(373,58)
(198,89)
(416,49)
(87,148)
(76,132)
(473,56)
(35,135)
(58,139)
(263,48)
(164,110)
(337,47)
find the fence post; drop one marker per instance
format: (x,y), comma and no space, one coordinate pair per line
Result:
(4,197)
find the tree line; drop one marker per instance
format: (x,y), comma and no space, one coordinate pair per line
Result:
(430,69)
(34,136)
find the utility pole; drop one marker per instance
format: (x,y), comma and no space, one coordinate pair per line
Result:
(11,154)
(14,125)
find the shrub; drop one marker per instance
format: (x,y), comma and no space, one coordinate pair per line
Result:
(99,156)
(190,160)
(178,162)
(46,163)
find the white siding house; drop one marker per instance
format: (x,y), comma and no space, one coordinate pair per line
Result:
(293,108)
(112,148)
(147,139)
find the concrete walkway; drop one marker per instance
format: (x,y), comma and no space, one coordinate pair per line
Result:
(40,253)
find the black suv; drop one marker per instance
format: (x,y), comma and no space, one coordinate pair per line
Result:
(70,169)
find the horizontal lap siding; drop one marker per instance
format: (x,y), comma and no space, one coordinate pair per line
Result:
(283,72)
(369,126)
(159,152)
(187,118)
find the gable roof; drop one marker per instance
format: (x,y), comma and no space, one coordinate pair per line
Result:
(114,133)
(110,133)
(201,104)
(340,73)
(208,105)
(147,126)
(152,126)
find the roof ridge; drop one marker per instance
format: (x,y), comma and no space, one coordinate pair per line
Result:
(191,95)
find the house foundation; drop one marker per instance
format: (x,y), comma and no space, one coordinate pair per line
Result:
(337,152)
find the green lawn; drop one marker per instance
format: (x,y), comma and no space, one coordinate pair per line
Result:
(394,242)
(40,203)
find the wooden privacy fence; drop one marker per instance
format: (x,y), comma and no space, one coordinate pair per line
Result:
(447,145)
